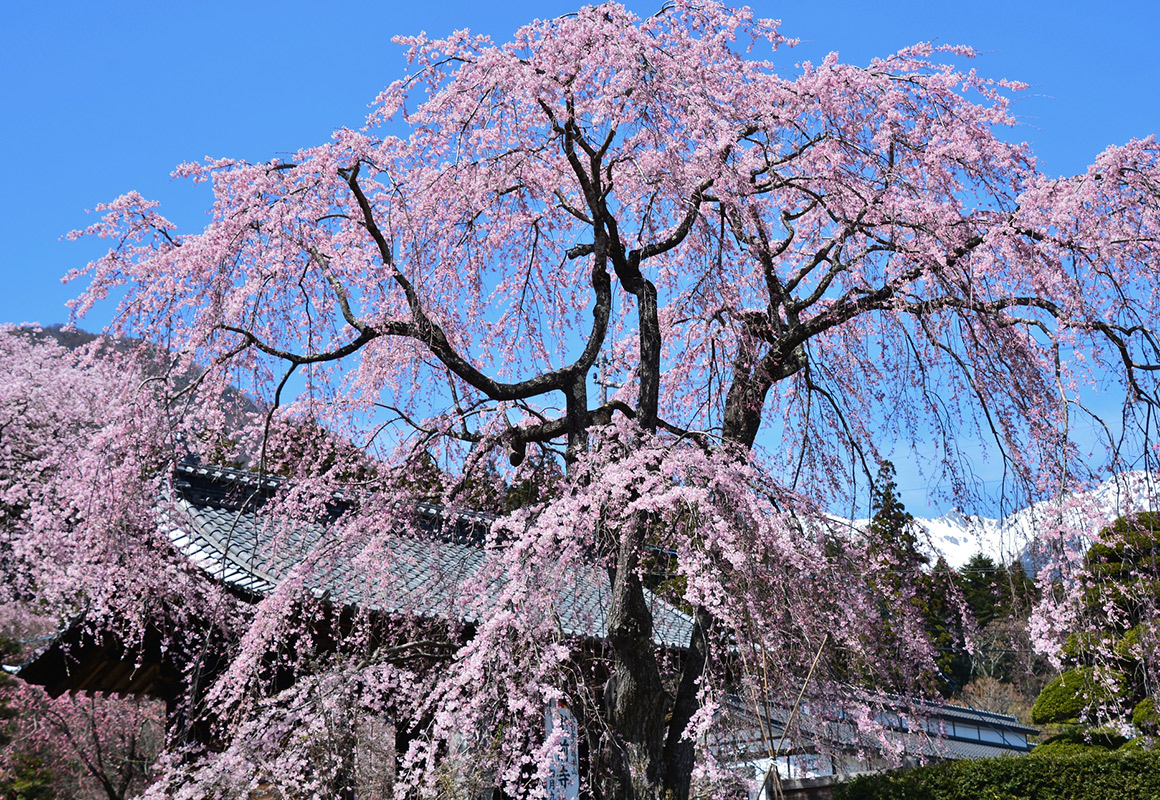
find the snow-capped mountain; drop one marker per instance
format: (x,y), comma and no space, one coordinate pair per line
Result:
(957,537)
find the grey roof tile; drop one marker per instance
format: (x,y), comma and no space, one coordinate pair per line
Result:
(232,542)
(992,735)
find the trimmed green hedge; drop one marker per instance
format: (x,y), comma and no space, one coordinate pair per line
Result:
(1066,697)
(1123,775)
(1144,715)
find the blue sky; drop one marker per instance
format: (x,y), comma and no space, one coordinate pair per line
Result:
(102,97)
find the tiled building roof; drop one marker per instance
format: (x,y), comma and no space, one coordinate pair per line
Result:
(213,517)
(922,731)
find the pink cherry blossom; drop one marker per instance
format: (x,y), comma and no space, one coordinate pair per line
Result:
(787,275)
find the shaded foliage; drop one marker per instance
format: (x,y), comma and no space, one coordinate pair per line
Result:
(1110,653)
(1076,776)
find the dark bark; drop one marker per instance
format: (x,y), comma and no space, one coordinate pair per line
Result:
(678,757)
(634,696)
(754,374)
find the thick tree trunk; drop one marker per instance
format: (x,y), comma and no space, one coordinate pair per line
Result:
(679,752)
(634,700)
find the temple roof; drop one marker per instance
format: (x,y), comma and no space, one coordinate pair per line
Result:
(214,516)
(218,517)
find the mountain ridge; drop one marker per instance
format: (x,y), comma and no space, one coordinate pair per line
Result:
(956,536)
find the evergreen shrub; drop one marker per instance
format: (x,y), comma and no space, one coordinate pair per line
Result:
(1124,775)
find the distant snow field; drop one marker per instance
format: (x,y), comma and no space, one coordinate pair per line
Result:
(957,537)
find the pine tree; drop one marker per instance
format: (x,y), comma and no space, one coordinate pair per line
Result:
(893,542)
